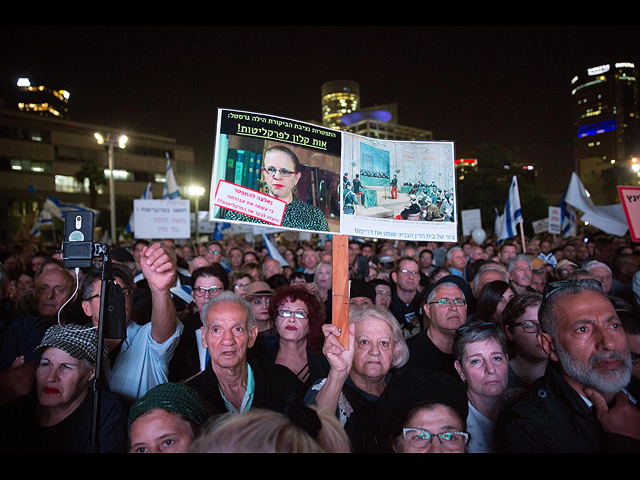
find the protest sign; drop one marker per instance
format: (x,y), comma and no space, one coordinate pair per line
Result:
(161,219)
(285,173)
(555,220)
(540,226)
(471,219)
(630,198)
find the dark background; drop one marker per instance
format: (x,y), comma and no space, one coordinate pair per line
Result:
(508,85)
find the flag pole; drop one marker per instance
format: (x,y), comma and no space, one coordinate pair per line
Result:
(524,249)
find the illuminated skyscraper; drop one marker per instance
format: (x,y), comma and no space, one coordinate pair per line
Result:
(607,128)
(339,97)
(42,100)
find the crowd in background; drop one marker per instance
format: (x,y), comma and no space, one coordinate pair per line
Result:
(439,331)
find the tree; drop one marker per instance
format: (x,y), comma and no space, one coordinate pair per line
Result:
(487,186)
(94,172)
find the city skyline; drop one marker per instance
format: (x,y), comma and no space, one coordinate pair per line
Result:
(469,85)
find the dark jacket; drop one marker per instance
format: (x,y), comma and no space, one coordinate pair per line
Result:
(553,418)
(275,385)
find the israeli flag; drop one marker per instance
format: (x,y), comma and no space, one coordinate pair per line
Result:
(218,232)
(273,250)
(44,219)
(170,190)
(568,217)
(512,213)
(147,195)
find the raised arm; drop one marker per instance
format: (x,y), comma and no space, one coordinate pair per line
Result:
(341,361)
(159,268)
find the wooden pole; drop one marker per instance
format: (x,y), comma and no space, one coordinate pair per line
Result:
(340,286)
(524,248)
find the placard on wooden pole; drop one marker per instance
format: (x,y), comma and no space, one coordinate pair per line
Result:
(340,286)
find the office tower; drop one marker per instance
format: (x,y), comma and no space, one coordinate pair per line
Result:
(606,127)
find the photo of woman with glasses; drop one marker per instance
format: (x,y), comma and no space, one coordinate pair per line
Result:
(281,174)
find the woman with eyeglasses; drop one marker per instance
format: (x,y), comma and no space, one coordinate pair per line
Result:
(360,373)
(298,317)
(281,174)
(528,360)
(239,282)
(206,282)
(423,411)
(480,352)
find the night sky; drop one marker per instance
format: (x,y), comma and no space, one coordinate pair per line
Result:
(470,85)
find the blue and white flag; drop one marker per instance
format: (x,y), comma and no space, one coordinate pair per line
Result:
(53,207)
(44,219)
(170,190)
(58,208)
(219,229)
(568,217)
(273,250)
(512,213)
(147,195)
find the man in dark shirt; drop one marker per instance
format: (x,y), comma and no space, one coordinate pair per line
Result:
(407,298)
(233,380)
(582,404)
(446,310)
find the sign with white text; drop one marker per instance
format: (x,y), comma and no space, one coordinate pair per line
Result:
(154,219)
(279,172)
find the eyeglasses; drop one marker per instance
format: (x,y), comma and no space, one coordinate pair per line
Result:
(242,286)
(414,273)
(127,292)
(479,327)
(553,287)
(211,291)
(215,252)
(529,327)
(284,172)
(298,314)
(419,438)
(458,302)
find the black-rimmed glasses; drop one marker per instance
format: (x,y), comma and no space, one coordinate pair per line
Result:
(420,438)
(211,291)
(478,327)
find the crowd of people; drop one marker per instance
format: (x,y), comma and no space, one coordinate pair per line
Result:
(506,347)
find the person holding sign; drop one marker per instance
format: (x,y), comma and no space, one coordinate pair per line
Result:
(359,374)
(281,169)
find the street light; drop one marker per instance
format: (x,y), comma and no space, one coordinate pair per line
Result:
(197,192)
(120,142)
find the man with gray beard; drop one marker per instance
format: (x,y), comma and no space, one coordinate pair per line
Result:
(581,404)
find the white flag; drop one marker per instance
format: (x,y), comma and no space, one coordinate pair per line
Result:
(512,212)
(608,218)
(170,190)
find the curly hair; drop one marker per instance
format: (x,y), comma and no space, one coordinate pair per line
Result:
(292,293)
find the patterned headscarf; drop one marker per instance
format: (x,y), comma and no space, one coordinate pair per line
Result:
(172,397)
(78,341)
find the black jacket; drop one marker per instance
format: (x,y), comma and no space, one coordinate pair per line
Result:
(553,418)
(275,386)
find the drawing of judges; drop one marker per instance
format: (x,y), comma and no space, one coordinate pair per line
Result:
(281,170)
